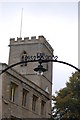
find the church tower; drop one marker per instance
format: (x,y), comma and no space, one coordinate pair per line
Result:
(24,93)
(20,48)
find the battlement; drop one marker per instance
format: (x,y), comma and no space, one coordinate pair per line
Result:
(27,40)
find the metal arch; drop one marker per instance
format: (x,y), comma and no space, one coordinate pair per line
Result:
(40,61)
(68,64)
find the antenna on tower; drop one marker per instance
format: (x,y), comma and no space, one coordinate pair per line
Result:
(21,22)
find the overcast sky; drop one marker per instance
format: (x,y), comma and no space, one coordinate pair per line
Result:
(56,21)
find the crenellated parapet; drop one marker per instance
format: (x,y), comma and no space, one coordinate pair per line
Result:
(26,39)
(32,40)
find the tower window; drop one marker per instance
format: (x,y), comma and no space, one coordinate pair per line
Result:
(23,58)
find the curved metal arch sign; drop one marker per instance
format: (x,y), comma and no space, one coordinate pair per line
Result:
(41,58)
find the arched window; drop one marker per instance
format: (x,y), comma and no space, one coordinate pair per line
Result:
(23,58)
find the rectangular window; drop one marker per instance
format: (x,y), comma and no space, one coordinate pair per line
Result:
(43,107)
(13,92)
(34,103)
(24,98)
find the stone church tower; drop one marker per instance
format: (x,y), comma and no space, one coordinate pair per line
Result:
(24,94)
(20,48)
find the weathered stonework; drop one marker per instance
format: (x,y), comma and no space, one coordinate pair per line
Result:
(25,78)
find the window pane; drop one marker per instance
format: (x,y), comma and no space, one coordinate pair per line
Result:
(34,103)
(24,99)
(13,92)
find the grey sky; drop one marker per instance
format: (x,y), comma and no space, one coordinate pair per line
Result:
(57,21)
